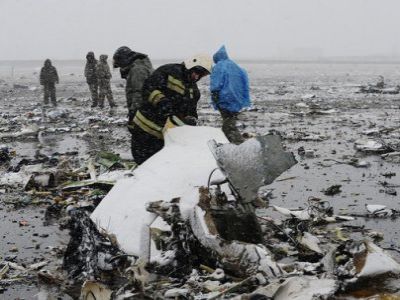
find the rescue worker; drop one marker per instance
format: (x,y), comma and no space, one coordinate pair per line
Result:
(229,86)
(170,92)
(104,76)
(135,67)
(91,77)
(48,78)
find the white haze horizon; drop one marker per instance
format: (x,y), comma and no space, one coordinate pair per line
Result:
(175,29)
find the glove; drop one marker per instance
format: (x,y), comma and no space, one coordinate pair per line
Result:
(190,120)
(166,107)
(131,115)
(215,97)
(130,124)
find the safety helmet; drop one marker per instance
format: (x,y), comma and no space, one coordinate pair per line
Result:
(200,60)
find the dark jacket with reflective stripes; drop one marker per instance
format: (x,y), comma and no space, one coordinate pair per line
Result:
(170,85)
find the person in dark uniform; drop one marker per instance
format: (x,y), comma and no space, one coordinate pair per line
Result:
(91,77)
(49,78)
(171,92)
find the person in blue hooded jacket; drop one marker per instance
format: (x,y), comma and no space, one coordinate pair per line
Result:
(229,86)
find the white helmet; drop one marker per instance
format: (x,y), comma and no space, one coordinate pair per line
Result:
(199,60)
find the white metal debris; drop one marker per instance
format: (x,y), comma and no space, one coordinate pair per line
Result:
(305,288)
(183,163)
(377,262)
(368,145)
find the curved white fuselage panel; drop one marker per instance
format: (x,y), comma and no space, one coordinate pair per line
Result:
(184,162)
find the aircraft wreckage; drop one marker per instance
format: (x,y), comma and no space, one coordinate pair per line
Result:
(184,226)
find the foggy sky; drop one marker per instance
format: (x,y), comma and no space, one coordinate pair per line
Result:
(251,29)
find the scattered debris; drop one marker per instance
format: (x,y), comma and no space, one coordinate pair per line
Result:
(308,96)
(380,211)
(379,90)
(367,145)
(333,190)
(208,239)
(5,154)
(299,288)
(20,86)
(95,290)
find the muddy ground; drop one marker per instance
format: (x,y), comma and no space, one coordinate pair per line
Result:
(281,93)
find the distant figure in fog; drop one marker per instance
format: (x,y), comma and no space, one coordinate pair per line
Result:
(381,82)
(49,78)
(229,86)
(104,77)
(91,77)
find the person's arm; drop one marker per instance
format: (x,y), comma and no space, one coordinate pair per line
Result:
(246,87)
(215,97)
(41,77)
(217,79)
(98,71)
(56,75)
(109,75)
(191,113)
(53,74)
(134,85)
(156,84)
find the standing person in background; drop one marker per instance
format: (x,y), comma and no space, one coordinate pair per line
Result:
(104,76)
(135,67)
(229,86)
(381,82)
(49,78)
(91,77)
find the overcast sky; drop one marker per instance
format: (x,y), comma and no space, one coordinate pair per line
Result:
(252,29)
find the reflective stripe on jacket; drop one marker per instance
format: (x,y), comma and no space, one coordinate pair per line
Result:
(168,83)
(147,125)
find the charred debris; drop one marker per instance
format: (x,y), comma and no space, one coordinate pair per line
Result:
(210,242)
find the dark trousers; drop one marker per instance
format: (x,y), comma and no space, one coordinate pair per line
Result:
(144,145)
(94,92)
(49,91)
(229,126)
(105,91)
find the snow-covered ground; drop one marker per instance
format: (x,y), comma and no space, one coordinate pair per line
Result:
(282,93)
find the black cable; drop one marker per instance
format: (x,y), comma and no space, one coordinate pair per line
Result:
(209,181)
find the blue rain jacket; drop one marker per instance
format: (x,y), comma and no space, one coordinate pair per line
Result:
(231,81)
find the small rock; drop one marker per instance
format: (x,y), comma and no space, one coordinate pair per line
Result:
(14,249)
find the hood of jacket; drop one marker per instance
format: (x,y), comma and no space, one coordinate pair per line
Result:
(221,54)
(90,56)
(47,63)
(103,58)
(124,57)
(139,59)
